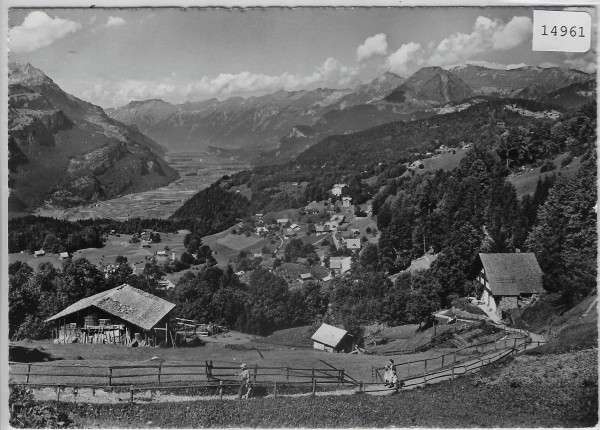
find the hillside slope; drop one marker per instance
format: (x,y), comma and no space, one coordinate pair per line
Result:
(66,151)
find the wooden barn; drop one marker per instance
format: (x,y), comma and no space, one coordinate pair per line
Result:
(332,339)
(123,315)
(509,280)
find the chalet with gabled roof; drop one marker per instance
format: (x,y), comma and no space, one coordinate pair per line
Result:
(121,315)
(509,280)
(332,339)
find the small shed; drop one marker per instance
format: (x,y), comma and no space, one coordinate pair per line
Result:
(332,339)
(509,280)
(39,253)
(120,315)
(305,276)
(64,255)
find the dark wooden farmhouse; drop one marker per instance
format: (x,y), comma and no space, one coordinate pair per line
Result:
(509,280)
(123,315)
(332,339)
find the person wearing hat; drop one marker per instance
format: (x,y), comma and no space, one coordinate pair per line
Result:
(245,376)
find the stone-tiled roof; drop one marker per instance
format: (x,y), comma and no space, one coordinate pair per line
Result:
(512,274)
(135,306)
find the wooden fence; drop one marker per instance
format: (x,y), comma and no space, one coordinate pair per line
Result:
(86,375)
(445,360)
(455,370)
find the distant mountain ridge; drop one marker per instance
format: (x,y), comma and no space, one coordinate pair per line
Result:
(66,151)
(283,124)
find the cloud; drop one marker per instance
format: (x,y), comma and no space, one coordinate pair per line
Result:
(114,21)
(585,63)
(330,74)
(39,30)
(374,45)
(513,34)
(406,58)
(486,36)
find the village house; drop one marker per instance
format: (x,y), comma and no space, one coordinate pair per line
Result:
(332,339)
(346,202)
(353,244)
(305,276)
(283,221)
(295,227)
(509,280)
(321,228)
(289,233)
(39,253)
(337,189)
(261,229)
(340,265)
(122,315)
(268,264)
(313,208)
(64,255)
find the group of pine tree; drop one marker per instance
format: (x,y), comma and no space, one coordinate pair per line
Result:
(454,214)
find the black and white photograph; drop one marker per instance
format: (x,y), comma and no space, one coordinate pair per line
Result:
(299,217)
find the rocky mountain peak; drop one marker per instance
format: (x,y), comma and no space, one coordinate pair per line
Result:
(27,75)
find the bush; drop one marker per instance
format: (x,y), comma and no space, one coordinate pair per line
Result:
(547,166)
(25,412)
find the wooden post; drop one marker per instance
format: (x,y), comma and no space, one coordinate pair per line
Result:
(255,372)
(360,387)
(58,393)
(453,373)
(442,361)
(159,372)
(515,342)
(343,376)
(287,374)
(110,376)
(312,378)
(314,387)
(28,371)
(130,394)
(454,359)
(425,371)
(221,390)
(275,390)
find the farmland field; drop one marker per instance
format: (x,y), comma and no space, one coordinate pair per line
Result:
(114,247)
(204,168)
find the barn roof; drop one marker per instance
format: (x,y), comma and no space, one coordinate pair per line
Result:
(125,302)
(512,274)
(329,335)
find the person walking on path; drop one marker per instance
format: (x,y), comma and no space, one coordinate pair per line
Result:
(245,383)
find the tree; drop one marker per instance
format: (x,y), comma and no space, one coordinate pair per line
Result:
(564,240)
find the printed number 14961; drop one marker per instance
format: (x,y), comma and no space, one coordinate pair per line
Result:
(562,31)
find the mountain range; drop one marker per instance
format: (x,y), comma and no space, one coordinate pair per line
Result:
(277,127)
(65,151)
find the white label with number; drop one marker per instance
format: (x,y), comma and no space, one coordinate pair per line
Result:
(564,31)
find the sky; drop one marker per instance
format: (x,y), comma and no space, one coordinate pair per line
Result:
(110,57)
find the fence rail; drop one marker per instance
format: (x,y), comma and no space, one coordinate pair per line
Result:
(444,360)
(46,373)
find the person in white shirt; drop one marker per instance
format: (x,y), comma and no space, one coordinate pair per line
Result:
(245,383)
